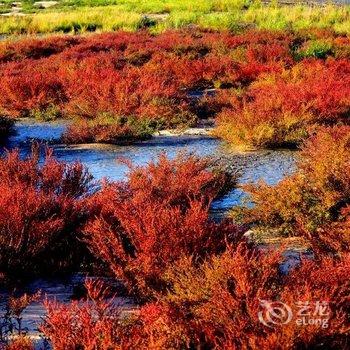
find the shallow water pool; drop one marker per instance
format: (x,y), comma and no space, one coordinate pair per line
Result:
(101,160)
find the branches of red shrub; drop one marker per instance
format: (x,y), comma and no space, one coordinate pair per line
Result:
(160,213)
(201,285)
(217,305)
(40,212)
(28,89)
(90,324)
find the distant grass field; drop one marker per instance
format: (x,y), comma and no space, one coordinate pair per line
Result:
(81,16)
(154,6)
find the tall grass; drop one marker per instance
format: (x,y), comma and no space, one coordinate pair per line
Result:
(81,20)
(158,6)
(224,14)
(276,18)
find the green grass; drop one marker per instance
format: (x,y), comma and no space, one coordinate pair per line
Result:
(105,15)
(145,6)
(82,20)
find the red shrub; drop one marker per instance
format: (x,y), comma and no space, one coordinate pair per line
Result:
(217,305)
(221,304)
(35,48)
(148,77)
(315,283)
(28,89)
(40,212)
(282,109)
(160,213)
(150,95)
(109,130)
(91,324)
(278,99)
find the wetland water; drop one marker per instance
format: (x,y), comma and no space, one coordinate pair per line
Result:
(270,166)
(101,160)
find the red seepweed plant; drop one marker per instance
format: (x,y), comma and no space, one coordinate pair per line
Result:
(40,212)
(199,285)
(140,226)
(284,82)
(220,304)
(282,109)
(89,324)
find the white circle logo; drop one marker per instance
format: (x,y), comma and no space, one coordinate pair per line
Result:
(274,313)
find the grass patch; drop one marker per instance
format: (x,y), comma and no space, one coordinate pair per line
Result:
(86,16)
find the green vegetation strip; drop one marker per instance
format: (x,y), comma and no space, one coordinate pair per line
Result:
(86,16)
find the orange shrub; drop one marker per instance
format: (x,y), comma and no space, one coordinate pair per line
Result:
(220,305)
(21,343)
(217,305)
(141,226)
(312,202)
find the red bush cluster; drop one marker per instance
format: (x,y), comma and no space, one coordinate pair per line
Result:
(91,324)
(141,226)
(40,212)
(216,305)
(203,288)
(199,283)
(282,109)
(111,76)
